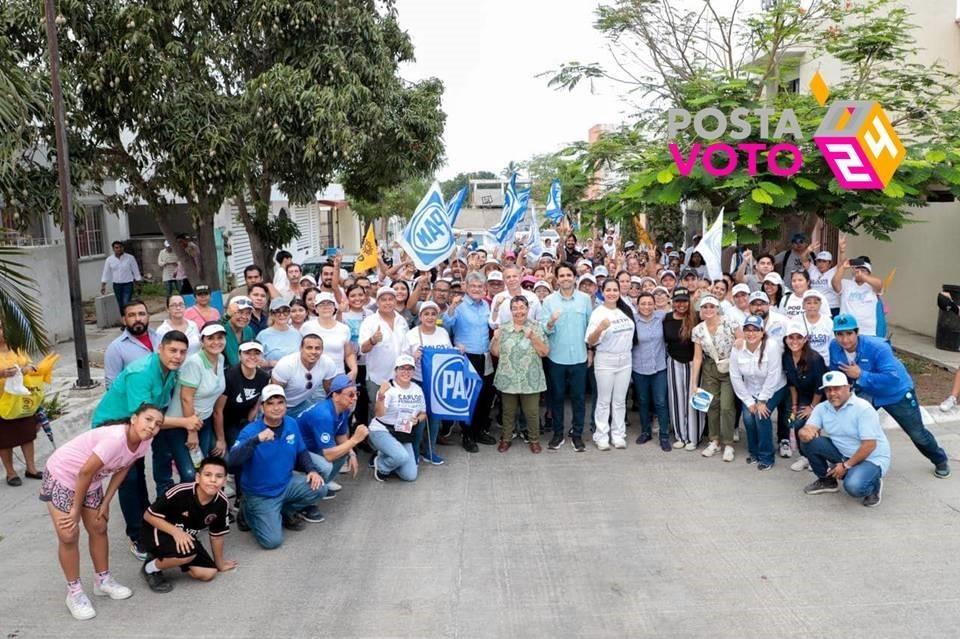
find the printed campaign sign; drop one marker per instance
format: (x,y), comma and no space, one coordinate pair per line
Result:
(450,384)
(701,400)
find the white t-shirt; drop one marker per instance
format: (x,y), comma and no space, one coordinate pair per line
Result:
(334,341)
(616,338)
(192,333)
(822,282)
(414,339)
(820,334)
(860,300)
(402,404)
(381,358)
(791,305)
(503,315)
(776,325)
(733,313)
(292,375)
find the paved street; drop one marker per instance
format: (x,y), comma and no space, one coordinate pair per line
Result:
(632,543)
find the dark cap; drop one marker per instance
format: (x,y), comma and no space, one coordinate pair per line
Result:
(680,294)
(201,288)
(798,237)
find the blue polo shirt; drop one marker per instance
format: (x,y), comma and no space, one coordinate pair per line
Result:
(268,471)
(849,425)
(320,426)
(470,325)
(566,339)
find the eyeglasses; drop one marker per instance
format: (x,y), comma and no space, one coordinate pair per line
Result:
(351,394)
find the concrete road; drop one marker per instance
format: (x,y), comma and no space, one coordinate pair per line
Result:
(635,543)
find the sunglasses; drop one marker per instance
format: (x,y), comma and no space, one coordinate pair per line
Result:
(309,385)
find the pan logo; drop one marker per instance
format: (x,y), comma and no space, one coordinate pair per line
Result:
(859,144)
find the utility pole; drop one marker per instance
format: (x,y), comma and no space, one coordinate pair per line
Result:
(66,204)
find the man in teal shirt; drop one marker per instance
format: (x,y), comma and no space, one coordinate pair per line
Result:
(565,316)
(237,323)
(150,380)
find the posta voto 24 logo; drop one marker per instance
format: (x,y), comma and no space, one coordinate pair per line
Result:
(855,137)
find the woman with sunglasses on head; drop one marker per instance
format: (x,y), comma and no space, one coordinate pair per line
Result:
(280,339)
(336,335)
(756,373)
(713,339)
(177,321)
(804,369)
(678,335)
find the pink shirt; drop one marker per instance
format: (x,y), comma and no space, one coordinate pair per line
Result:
(109,443)
(193,314)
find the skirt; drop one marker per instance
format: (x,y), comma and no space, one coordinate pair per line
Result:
(17,432)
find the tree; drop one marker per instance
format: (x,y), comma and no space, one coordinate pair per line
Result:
(400,201)
(453,185)
(699,59)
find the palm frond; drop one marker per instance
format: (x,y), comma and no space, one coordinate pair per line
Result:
(20,310)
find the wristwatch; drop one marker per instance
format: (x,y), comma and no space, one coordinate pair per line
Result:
(846,465)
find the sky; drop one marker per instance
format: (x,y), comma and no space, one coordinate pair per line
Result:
(488,53)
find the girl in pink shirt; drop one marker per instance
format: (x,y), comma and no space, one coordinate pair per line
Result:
(72,486)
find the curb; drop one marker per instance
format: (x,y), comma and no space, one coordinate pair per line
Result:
(926,358)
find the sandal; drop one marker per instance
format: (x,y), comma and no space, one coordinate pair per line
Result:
(14,481)
(33,475)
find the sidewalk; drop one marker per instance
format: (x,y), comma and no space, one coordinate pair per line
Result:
(923,346)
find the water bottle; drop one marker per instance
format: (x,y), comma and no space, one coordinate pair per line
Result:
(196,456)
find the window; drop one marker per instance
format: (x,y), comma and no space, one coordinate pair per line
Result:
(793,86)
(90,231)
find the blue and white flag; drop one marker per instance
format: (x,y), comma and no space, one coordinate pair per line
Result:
(428,237)
(514,205)
(554,211)
(453,206)
(451,386)
(533,244)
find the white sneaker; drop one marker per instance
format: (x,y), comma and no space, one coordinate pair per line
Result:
(785,451)
(333,486)
(800,464)
(678,444)
(602,445)
(80,607)
(620,443)
(736,434)
(948,404)
(712,449)
(728,453)
(112,588)
(690,446)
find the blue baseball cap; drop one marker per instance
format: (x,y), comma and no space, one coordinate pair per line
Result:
(755,321)
(844,322)
(341,382)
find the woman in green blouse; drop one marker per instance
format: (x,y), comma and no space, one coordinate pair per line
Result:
(520,345)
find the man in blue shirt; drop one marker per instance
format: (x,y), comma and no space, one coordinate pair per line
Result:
(135,342)
(325,427)
(268,451)
(565,315)
(468,322)
(842,440)
(880,377)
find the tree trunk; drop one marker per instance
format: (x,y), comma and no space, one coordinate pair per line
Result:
(207,241)
(258,250)
(163,213)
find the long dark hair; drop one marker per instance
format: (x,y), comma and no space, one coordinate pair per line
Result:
(807,356)
(623,306)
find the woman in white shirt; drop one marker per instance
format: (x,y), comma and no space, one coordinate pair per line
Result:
(613,334)
(819,323)
(756,373)
(791,304)
(337,344)
(177,322)
(400,406)
(426,333)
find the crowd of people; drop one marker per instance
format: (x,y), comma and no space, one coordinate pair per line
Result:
(272,401)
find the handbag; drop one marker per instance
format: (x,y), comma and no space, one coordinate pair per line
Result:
(723,365)
(19,400)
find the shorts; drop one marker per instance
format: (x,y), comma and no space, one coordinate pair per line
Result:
(160,545)
(62,496)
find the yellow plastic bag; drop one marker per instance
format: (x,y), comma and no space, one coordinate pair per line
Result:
(17,406)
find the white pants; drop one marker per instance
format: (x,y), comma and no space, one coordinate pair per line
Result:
(613,373)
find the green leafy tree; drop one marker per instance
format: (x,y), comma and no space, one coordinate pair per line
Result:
(699,59)
(399,201)
(453,185)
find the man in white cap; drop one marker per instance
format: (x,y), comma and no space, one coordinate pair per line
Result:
(169,265)
(821,271)
(267,452)
(237,323)
(381,341)
(494,285)
(739,309)
(774,323)
(843,441)
(860,296)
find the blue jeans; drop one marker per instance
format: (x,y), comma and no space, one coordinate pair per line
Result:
(299,409)
(171,446)
(760,430)
(134,499)
(592,389)
(328,469)
(433,424)
(173,286)
(860,481)
(394,456)
(264,514)
(123,293)
(567,380)
(906,413)
(652,389)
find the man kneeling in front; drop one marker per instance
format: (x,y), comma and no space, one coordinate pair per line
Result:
(842,440)
(175,519)
(268,451)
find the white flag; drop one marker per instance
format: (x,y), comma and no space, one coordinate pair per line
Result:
(428,238)
(710,248)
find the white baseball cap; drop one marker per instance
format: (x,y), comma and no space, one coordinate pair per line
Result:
(797,328)
(272,390)
(826,256)
(326,297)
(636,279)
(428,305)
(242,302)
(251,346)
(404,360)
(586,277)
(834,378)
(740,288)
(495,275)
(815,293)
(709,299)
(386,290)
(212,328)
(774,277)
(601,270)
(759,296)
(542,284)
(309,278)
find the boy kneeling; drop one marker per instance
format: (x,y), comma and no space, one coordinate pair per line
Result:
(175,519)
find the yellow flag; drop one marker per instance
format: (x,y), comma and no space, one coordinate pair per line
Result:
(888,280)
(368,253)
(643,238)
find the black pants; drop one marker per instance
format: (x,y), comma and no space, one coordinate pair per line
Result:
(481,414)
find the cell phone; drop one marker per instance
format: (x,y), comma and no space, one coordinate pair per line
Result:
(856,262)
